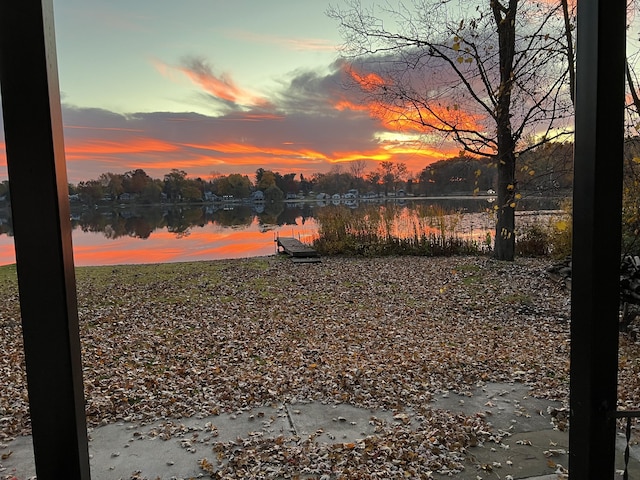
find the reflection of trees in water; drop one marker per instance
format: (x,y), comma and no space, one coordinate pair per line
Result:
(180,220)
(139,223)
(236,216)
(6,225)
(139,227)
(289,215)
(269,217)
(93,221)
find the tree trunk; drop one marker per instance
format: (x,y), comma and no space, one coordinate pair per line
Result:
(505,240)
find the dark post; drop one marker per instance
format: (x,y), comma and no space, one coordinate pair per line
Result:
(596,237)
(42,229)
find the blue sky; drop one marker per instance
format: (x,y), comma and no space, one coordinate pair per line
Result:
(125,56)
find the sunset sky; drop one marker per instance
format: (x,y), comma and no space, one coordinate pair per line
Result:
(213,86)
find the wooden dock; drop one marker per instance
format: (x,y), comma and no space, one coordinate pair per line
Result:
(298,251)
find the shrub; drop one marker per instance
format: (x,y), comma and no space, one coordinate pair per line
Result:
(560,237)
(533,241)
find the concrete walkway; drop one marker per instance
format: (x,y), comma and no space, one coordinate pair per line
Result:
(531,448)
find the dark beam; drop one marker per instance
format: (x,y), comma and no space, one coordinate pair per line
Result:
(597,208)
(42,235)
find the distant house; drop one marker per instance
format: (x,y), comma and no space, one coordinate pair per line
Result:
(125,197)
(353,192)
(257,196)
(335,196)
(322,196)
(291,196)
(401,193)
(211,197)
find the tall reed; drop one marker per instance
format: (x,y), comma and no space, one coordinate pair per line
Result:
(391,230)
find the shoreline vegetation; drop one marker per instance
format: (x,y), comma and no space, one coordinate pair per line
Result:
(431,230)
(168,341)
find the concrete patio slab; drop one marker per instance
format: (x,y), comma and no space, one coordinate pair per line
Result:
(170,449)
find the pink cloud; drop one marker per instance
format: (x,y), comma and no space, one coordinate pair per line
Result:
(219,85)
(296,44)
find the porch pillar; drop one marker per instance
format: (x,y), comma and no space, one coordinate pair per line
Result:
(42,235)
(597,207)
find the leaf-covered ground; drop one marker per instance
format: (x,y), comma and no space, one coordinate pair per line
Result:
(175,340)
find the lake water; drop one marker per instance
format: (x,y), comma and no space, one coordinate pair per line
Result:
(132,235)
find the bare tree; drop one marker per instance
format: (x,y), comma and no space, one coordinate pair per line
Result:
(484,73)
(357,167)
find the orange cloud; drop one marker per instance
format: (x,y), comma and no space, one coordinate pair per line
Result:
(248,154)
(246,165)
(407,117)
(76,150)
(437,117)
(233,148)
(368,81)
(245,154)
(351,156)
(348,105)
(158,157)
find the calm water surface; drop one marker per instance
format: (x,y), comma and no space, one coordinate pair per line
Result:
(156,235)
(208,242)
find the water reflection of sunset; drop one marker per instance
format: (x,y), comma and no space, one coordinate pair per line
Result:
(210,242)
